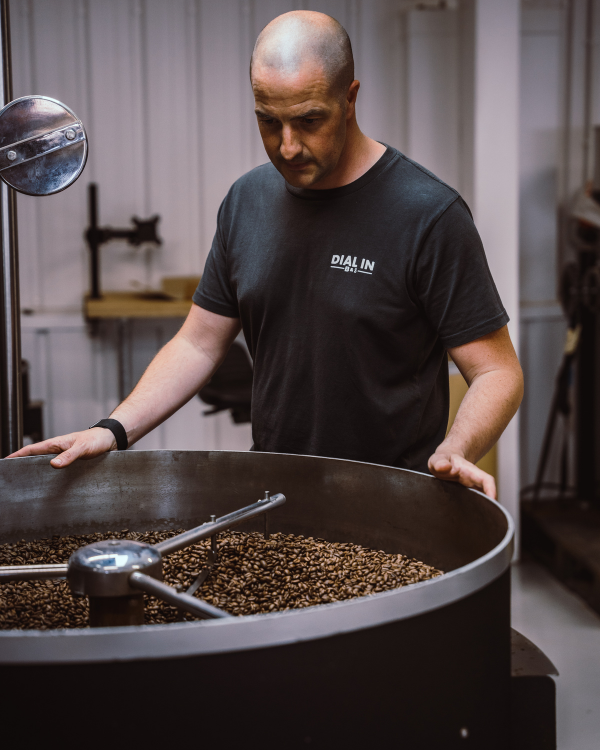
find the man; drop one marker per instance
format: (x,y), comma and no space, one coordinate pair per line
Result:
(352,271)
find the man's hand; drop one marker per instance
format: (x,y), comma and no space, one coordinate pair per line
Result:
(455,468)
(174,376)
(84,444)
(492,371)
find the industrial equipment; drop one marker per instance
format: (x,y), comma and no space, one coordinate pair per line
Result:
(561,520)
(428,664)
(113,573)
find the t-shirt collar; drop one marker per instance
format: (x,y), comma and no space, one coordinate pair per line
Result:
(377,168)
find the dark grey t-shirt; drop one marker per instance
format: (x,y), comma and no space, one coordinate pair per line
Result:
(348,300)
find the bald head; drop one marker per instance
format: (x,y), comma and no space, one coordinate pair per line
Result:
(302,38)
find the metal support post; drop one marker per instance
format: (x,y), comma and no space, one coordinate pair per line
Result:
(11,407)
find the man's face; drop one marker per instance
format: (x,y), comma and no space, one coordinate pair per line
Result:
(302,124)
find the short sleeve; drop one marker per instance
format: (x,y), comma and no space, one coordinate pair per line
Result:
(452,280)
(214,291)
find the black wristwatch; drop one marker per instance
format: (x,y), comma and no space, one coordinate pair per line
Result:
(117,430)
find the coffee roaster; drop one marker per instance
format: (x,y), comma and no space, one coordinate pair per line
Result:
(428,665)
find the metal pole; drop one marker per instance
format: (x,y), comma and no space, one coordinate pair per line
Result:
(32,572)
(186,538)
(11,407)
(168,594)
(93,241)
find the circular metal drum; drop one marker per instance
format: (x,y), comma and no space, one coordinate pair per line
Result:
(427,666)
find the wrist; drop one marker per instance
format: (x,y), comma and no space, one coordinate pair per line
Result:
(107,435)
(129,424)
(120,440)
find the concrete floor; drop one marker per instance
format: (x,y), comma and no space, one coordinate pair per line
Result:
(568,632)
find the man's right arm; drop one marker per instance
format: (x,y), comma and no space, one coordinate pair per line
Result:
(180,369)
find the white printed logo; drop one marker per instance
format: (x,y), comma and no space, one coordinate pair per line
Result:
(348,263)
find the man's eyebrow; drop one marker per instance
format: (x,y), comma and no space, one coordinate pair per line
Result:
(311,113)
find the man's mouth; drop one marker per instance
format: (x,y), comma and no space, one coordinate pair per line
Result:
(297,166)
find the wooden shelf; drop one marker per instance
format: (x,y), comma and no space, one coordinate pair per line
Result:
(135,305)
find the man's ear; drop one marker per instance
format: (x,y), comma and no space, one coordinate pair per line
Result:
(351,97)
(353,92)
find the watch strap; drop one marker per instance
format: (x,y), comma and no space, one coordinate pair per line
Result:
(117,430)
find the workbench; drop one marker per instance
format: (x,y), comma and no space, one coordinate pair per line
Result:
(126,305)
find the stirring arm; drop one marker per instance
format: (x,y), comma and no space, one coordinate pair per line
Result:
(192,536)
(171,596)
(31,572)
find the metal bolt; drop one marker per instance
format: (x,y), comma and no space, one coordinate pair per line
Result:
(70,134)
(464,733)
(11,155)
(267,495)
(213,519)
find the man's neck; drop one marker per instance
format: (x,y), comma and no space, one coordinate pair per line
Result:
(359,155)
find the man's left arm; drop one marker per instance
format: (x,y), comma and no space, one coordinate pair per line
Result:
(493,373)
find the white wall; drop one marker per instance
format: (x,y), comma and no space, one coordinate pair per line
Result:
(542,322)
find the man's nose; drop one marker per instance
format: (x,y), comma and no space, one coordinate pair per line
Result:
(291,146)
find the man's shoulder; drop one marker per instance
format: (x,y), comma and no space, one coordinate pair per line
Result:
(251,194)
(420,188)
(263,177)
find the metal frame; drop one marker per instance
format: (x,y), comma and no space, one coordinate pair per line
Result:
(11,407)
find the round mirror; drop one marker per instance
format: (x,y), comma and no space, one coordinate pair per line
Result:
(43,145)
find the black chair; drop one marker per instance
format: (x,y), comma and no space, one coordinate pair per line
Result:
(231,386)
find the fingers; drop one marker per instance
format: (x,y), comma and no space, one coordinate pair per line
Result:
(85,444)
(439,465)
(489,486)
(443,467)
(66,458)
(54,445)
(455,468)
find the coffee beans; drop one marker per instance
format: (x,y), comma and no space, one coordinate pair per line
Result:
(252,575)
